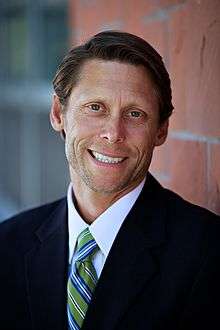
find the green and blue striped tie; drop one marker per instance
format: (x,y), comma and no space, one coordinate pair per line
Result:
(82,280)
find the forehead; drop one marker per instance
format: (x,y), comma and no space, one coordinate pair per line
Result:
(115,77)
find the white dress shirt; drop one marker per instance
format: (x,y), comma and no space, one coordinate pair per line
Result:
(104,229)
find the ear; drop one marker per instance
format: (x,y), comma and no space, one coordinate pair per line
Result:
(162,133)
(56,115)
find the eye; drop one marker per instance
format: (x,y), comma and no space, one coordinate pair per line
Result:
(135,114)
(95,107)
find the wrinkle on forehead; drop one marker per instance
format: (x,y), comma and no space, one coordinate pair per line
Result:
(98,78)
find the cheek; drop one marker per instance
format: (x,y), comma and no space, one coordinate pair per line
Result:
(143,141)
(81,126)
(142,137)
(78,136)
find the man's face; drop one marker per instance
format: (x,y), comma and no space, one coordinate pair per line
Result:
(111,125)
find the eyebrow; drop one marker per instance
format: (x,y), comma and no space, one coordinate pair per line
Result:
(103,100)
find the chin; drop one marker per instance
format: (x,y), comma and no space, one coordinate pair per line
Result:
(107,188)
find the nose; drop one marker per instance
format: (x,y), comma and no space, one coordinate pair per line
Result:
(113,130)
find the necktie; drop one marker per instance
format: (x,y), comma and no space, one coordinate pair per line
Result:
(82,280)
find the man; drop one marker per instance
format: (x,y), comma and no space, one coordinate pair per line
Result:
(120,252)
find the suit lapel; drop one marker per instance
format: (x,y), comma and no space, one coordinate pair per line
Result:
(130,265)
(46,272)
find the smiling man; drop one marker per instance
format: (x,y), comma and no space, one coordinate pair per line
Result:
(111,124)
(120,252)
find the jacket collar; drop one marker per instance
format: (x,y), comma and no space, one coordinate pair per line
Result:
(46,266)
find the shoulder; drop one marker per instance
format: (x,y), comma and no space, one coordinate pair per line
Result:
(178,206)
(192,226)
(175,204)
(186,223)
(21,226)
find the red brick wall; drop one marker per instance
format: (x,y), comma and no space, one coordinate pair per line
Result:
(187,34)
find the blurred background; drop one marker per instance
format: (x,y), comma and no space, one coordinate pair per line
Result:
(34,37)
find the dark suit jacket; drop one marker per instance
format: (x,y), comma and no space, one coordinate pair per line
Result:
(162,273)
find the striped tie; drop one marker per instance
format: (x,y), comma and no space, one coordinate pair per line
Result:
(82,280)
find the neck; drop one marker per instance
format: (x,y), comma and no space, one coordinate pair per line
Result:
(91,204)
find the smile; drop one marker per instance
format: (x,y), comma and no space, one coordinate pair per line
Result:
(106,159)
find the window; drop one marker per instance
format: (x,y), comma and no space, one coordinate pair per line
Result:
(34,38)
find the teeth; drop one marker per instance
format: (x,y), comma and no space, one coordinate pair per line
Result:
(106,159)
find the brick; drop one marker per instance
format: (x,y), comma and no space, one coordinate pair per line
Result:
(177,67)
(153,32)
(204,76)
(160,162)
(195,57)
(188,168)
(145,22)
(136,10)
(86,20)
(214,178)
(90,17)
(171,4)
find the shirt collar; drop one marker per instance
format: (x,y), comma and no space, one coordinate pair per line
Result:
(105,228)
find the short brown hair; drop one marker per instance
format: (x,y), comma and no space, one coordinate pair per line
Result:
(115,46)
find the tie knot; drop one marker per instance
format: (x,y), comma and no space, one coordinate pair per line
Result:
(86,245)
